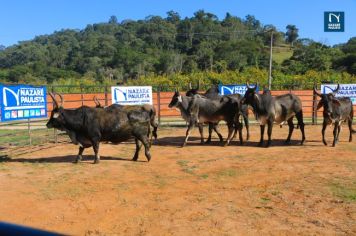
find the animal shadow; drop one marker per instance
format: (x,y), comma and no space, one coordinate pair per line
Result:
(62,159)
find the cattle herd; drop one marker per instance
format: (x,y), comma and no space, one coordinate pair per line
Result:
(88,126)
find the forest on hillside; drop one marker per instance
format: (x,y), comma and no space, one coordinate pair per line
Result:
(160,50)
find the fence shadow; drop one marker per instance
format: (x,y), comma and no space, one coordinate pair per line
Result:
(177,141)
(195,141)
(63,159)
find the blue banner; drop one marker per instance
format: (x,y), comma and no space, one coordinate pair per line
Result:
(234,89)
(345,90)
(20,102)
(131,95)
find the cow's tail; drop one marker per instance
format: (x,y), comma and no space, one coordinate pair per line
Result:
(153,122)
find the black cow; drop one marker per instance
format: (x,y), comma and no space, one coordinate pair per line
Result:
(150,109)
(213,93)
(336,110)
(199,110)
(88,126)
(279,109)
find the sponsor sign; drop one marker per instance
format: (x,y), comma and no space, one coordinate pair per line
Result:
(22,102)
(131,95)
(346,90)
(233,89)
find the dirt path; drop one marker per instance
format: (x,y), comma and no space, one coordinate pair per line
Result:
(196,190)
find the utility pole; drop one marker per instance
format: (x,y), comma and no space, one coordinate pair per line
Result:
(270,63)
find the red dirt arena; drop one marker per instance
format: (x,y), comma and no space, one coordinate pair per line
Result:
(195,190)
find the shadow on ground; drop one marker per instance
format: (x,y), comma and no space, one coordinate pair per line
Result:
(61,159)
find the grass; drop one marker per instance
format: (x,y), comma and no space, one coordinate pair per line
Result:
(13,136)
(282,53)
(346,190)
(185,167)
(21,137)
(159,181)
(279,57)
(227,173)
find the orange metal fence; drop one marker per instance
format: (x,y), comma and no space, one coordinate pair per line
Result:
(162,99)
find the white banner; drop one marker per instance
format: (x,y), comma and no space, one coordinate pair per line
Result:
(346,90)
(131,95)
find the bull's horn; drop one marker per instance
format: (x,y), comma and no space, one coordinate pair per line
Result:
(336,90)
(175,90)
(316,92)
(248,85)
(190,85)
(97,103)
(62,101)
(54,100)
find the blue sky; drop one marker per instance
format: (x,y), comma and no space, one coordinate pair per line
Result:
(23,20)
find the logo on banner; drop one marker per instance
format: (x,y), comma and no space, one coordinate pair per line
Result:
(233,89)
(132,95)
(346,90)
(22,102)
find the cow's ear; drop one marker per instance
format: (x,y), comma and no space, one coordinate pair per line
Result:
(336,102)
(320,104)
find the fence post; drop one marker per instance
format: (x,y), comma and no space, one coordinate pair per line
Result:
(315,112)
(81,94)
(159,104)
(106,95)
(29,131)
(55,136)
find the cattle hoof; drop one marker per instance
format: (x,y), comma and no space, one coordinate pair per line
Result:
(96,162)
(134,159)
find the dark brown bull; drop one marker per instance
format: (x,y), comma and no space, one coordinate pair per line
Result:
(88,126)
(150,109)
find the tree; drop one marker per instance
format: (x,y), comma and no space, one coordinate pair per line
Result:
(173,17)
(291,34)
(113,20)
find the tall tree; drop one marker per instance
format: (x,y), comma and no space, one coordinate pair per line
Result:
(291,34)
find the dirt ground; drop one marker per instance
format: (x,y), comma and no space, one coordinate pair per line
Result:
(195,190)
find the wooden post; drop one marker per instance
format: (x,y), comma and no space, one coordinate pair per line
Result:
(159,104)
(315,112)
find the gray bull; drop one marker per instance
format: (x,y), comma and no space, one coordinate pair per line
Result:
(199,110)
(336,111)
(213,93)
(279,109)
